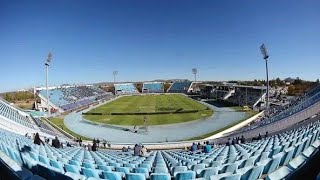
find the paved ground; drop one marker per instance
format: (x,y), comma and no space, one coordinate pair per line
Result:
(175,132)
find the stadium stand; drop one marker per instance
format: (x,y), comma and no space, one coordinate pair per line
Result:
(12,114)
(69,98)
(179,87)
(247,96)
(153,87)
(125,88)
(273,157)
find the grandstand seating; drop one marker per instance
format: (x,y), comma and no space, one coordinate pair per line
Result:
(15,115)
(68,98)
(244,96)
(152,87)
(273,157)
(125,88)
(179,87)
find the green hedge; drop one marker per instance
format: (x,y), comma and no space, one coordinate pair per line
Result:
(179,111)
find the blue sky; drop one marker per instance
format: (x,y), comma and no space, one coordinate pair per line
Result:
(158,39)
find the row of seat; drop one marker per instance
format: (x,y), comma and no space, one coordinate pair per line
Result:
(270,158)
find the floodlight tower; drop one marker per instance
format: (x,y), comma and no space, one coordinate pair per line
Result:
(265,55)
(194,72)
(115,73)
(47,64)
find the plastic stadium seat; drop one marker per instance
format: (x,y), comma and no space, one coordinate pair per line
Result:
(219,176)
(271,164)
(88,165)
(228,168)
(297,162)
(44,160)
(251,172)
(207,172)
(71,168)
(135,176)
(148,166)
(90,173)
(215,163)
(123,169)
(198,167)
(160,170)
(142,171)
(160,176)
(287,156)
(104,168)
(57,165)
(280,173)
(232,177)
(111,175)
(177,169)
(75,176)
(73,162)
(185,175)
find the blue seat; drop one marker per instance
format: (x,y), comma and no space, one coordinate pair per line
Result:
(123,169)
(280,173)
(57,165)
(90,173)
(207,172)
(160,176)
(185,175)
(135,176)
(88,165)
(145,166)
(271,164)
(228,168)
(111,175)
(105,168)
(44,160)
(287,156)
(142,170)
(232,177)
(73,162)
(160,170)
(71,168)
(252,172)
(177,169)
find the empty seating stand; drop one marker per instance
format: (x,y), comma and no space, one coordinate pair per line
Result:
(270,158)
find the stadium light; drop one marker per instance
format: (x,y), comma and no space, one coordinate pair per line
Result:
(194,72)
(115,73)
(265,55)
(47,64)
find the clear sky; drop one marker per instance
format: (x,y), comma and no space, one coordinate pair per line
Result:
(156,39)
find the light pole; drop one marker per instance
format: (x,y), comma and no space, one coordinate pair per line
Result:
(115,73)
(265,55)
(47,64)
(194,72)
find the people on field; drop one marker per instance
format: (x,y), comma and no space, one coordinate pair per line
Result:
(37,139)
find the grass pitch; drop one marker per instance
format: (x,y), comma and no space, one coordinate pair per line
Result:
(149,103)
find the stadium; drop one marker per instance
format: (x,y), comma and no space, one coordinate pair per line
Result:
(160,129)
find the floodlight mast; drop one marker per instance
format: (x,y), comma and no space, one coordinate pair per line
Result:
(194,72)
(47,64)
(265,55)
(115,73)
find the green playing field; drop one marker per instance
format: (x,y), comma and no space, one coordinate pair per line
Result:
(148,104)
